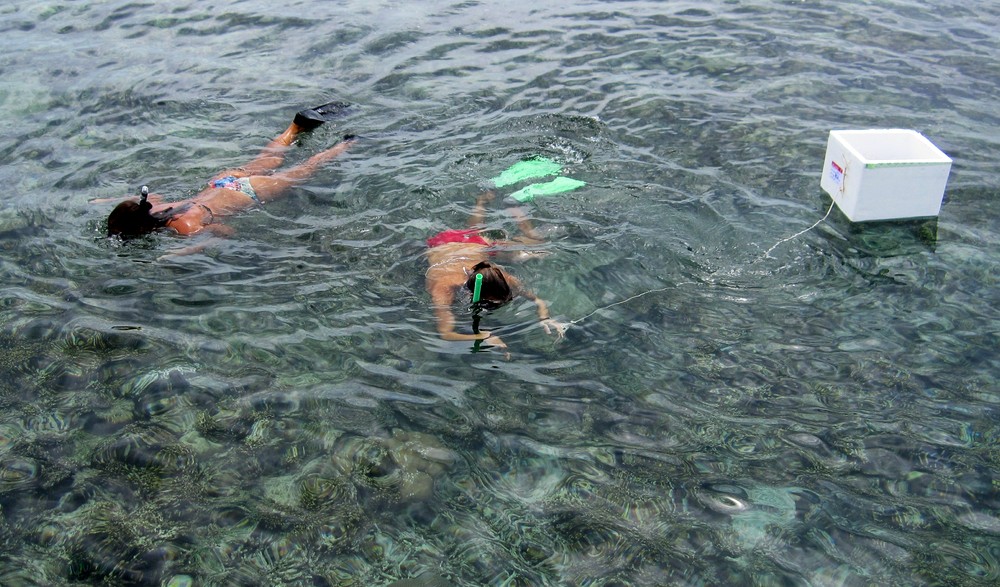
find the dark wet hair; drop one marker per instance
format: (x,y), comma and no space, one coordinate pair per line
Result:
(131,219)
(495,291)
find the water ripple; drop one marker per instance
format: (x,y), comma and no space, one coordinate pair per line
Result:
(278,407)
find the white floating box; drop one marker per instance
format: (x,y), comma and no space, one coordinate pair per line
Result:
(884,174)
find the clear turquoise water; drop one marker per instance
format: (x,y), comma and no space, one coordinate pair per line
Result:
(277,409)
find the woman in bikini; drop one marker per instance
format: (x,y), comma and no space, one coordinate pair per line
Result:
(456,257)
(231,190)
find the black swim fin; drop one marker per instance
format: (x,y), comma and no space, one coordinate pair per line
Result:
(311,118)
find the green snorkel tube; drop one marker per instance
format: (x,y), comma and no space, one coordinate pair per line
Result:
(477,290)
(476,293)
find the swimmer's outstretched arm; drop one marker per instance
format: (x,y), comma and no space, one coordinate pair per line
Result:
(442,297)
(479,212)
(548,324)
(215,230)
(524,224)
(478,218)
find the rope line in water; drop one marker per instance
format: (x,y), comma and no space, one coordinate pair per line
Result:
(767,255)
(626,300)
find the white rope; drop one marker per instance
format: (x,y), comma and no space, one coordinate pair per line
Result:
(767,255)
(800,233)
(620,302)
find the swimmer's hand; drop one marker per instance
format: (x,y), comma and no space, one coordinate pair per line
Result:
(551,325)
(495,341)
(485,338)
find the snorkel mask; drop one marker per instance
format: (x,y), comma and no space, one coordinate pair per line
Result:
(131,219)
(490,290)
(488,286)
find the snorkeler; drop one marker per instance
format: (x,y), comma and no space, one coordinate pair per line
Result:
(231,190)
(457,257)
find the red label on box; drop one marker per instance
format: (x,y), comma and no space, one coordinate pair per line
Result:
(837,174)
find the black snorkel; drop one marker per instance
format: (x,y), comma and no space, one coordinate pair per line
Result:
(131,219)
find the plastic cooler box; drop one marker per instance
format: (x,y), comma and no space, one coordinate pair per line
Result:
(884,174)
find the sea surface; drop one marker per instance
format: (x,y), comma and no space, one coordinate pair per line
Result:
(737,400)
